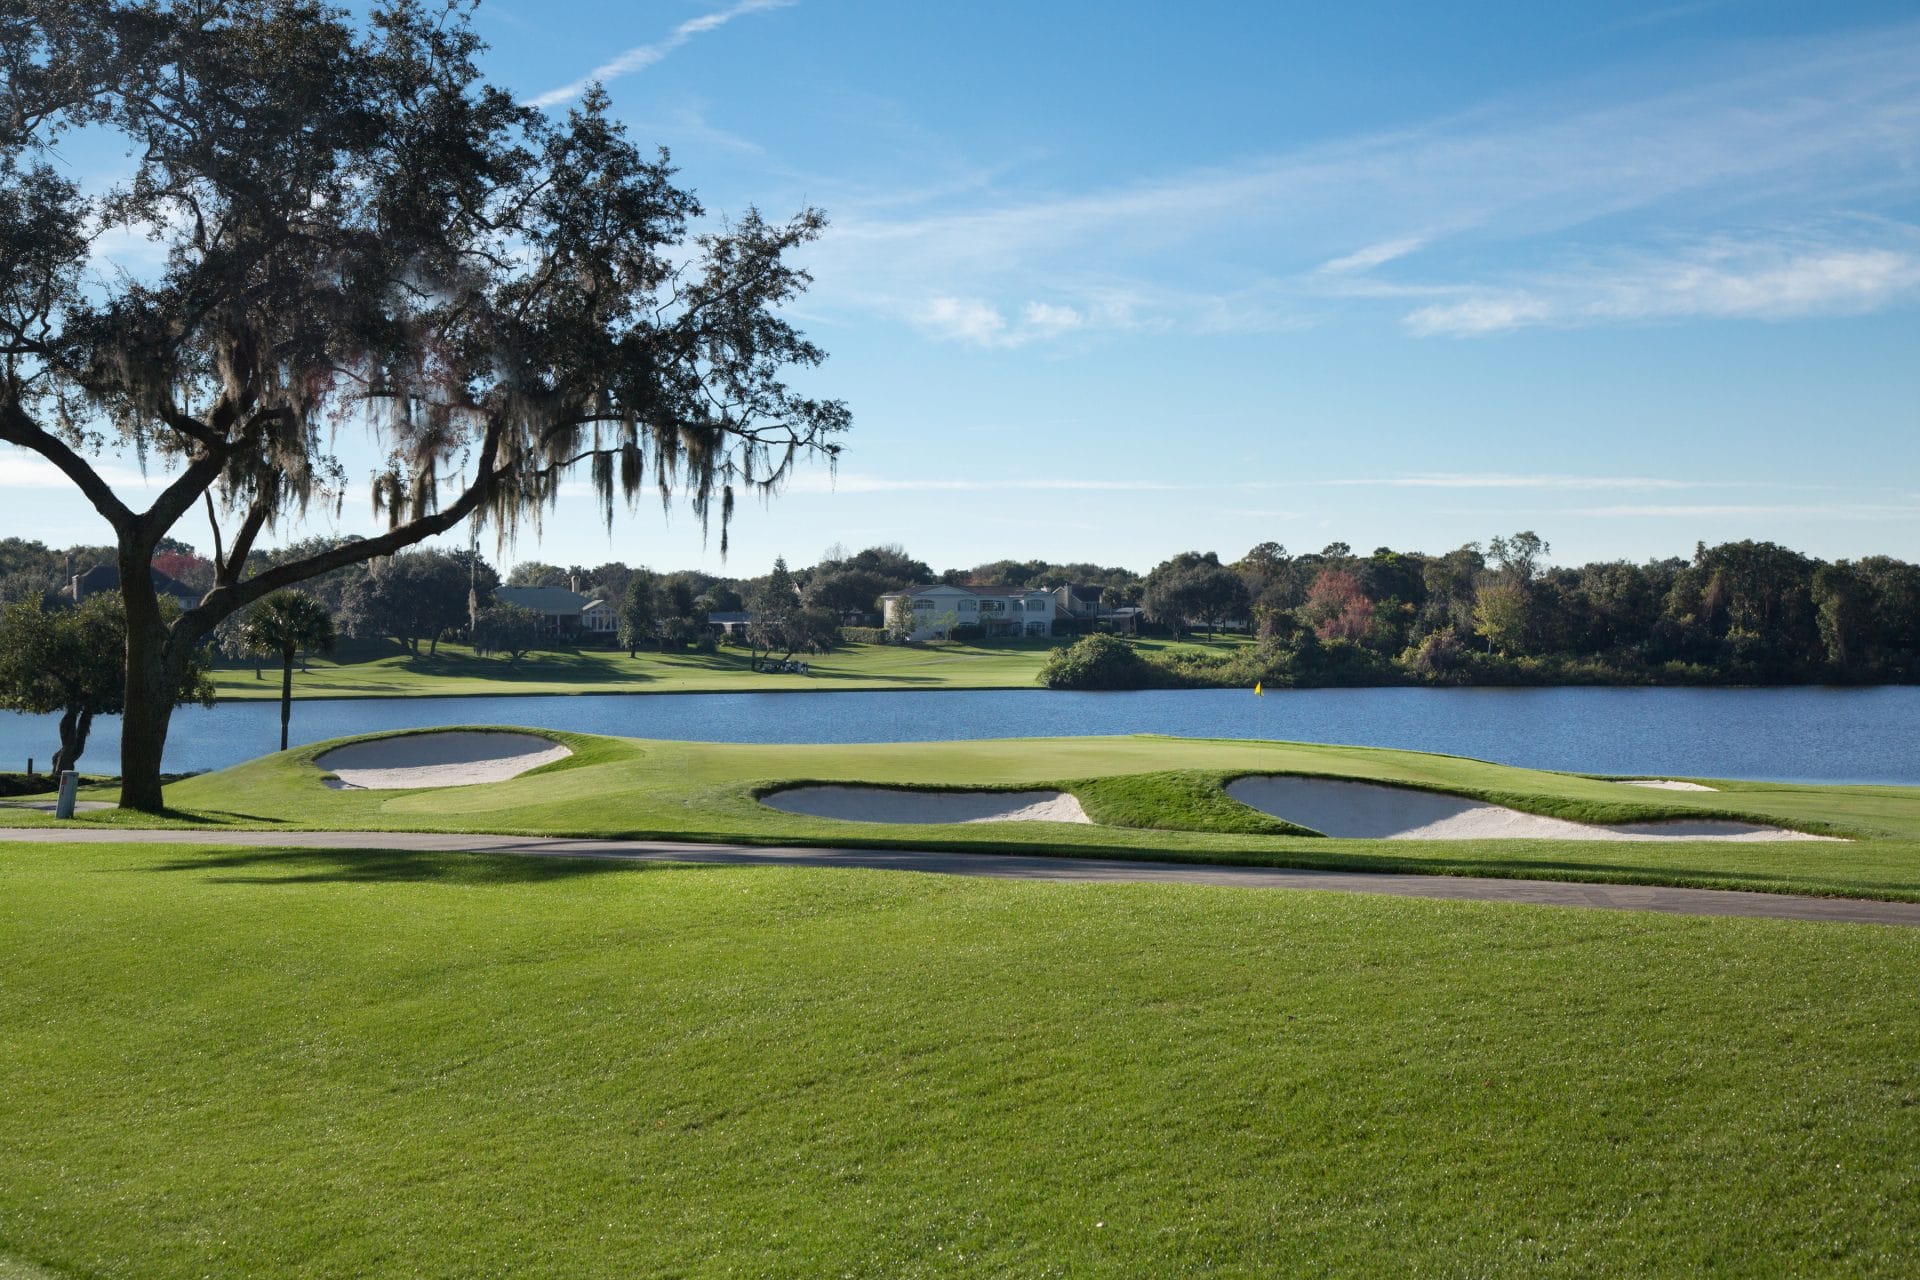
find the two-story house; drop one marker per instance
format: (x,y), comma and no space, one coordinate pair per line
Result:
(997,611)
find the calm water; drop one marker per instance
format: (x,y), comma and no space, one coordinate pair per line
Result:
(1825,735)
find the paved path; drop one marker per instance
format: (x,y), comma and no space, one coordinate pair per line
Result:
(1557,893)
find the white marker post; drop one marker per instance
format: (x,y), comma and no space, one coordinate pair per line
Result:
(69,785)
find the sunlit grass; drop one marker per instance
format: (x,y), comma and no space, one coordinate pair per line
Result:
(1158,798)
(238,1063)
(378,669)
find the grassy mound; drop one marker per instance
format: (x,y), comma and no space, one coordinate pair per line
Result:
(1157,798)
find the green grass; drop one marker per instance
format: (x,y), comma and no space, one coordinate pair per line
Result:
(1161,797)
(377,669)
(250,1063)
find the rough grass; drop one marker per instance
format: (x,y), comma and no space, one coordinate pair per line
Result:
(707,791)
(249,1063)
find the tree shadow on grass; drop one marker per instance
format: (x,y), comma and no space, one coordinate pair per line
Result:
(869,678)
(108,819)
(1802,880)
(384,866)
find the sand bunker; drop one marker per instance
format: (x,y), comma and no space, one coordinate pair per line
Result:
(1665,784)
(880,804)
(1365,811)
(437,760)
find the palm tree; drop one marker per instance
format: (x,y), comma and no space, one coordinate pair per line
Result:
(285,623)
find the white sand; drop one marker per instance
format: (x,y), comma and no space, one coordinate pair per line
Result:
(1366,811)
(1665,784)
(881,804)
(437,760)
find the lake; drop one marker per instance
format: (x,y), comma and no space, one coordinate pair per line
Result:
(1797,734)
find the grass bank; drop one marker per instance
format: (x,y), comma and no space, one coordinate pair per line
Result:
(1156,798)
(224,1062)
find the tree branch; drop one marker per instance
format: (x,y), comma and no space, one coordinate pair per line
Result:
(17,428)
(219,557)
(174,500)
(225,600)
(193,429)
(257,516)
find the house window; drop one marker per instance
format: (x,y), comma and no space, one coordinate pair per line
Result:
(923,604)
(969,606)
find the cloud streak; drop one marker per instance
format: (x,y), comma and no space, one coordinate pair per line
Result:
(982,324)
(1820,137)
(1696,511)
(1718,280)
(640,57)
(1505,480)
(1374,255)
(815,482)
(20,469)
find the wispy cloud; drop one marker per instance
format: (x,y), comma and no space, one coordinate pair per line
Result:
(22,470)
(1374,255)
(1771,280)
(1825,511)
(1810,147)
(1508,480)
(815,482)
(980,323)
(640,57)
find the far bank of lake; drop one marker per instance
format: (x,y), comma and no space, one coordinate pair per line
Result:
(1845,735)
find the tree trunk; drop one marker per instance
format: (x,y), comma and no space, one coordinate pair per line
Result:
(286,695)
(151,685)
(80,732)
(73,739)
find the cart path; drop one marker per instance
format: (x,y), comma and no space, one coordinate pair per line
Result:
(1556,893)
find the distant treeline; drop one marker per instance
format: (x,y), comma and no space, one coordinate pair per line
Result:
(1738,613)
(1498,613)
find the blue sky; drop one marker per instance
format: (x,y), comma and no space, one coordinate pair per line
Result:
(1107,282)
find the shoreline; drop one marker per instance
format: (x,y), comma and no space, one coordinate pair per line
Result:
(1033,688)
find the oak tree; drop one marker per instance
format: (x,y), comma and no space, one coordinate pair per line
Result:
(355,232)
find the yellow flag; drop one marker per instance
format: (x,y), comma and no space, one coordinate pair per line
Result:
(1258,692)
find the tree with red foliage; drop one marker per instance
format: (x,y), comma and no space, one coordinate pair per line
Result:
(185,567)
(1336,607)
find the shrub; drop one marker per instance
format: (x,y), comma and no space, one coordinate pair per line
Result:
(863,635)
(1101,662)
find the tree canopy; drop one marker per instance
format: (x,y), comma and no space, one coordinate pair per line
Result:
(68,661)
(357,230)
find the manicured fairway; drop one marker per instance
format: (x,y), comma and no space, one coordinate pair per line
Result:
(239,1064)
(378,670)
(1151,797)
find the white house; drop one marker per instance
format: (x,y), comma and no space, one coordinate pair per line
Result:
(599,619)
(997,611)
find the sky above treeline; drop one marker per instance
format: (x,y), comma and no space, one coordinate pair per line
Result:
(1111,281)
